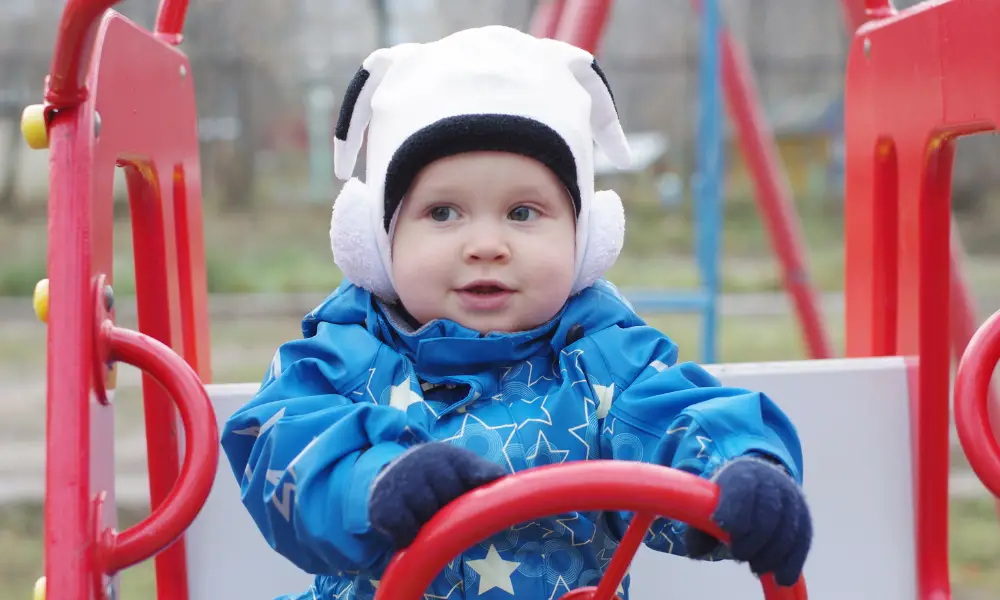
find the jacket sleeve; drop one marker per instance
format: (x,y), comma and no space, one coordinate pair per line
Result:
(306,448)
(679,415)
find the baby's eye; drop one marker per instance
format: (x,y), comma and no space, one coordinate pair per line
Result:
(441,213)
(522,213)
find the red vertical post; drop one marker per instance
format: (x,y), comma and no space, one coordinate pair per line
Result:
(546,18)
(79,454)
(773,194)
(170,18)
(69,528)
(582,23)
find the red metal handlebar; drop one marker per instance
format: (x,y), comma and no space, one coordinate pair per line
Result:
(597,485)
(972,394)
(75,40)
(117,551)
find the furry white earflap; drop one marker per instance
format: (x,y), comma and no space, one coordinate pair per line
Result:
(605,238)
(357,249)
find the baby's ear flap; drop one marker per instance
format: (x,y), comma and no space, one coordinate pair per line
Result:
(356,109)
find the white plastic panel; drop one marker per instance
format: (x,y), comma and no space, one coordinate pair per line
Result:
(852,416)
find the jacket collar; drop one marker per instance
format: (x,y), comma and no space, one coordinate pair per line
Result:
(443,347)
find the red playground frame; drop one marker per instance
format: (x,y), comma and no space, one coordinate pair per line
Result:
(118,95)
(931,60)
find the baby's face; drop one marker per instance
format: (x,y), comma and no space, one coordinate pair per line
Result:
(485,239)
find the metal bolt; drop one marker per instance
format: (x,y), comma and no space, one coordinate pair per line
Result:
(868,47)
(110,592)
(184,71)
(109,298)
(97,124)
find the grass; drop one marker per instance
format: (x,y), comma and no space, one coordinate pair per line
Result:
(21,549)
(975,545)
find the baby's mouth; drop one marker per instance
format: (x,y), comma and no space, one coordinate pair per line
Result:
(485,296)
(485,290)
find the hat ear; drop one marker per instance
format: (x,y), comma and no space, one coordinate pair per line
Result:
(356,109)
(604,123)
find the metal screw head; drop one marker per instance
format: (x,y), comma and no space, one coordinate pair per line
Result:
(868,47)
(183,71)
(109,298)
(97,124)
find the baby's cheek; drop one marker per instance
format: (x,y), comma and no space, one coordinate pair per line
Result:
(553,272)
(557,259)
(413,269)
(422,270)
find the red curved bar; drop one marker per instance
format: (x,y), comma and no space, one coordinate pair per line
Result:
(201,450)
(550,490)
(75,40)
(972,389)
(170,21)
(617,569)
(70,59)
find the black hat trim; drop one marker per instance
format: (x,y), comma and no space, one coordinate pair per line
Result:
(351,96)
(604,78)
(482,132)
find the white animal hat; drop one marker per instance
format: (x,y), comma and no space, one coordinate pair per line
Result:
(492,88)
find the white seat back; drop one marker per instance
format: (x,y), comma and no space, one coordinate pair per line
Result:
(227,557)
(853,419)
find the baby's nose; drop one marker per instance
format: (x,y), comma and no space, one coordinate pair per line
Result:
(487,246)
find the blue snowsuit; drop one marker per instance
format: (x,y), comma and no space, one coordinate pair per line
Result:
(593,383)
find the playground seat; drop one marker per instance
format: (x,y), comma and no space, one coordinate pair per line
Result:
(851,415)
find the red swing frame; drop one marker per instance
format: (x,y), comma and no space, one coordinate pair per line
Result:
(916,81)
(119,95)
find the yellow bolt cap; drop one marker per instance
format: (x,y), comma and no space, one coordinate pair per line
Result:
(34,128)
(41,300)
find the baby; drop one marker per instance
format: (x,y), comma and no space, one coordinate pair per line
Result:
(474,337)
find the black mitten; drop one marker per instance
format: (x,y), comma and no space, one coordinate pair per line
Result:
(420,482)
(765,513)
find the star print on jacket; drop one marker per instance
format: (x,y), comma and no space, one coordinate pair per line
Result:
(360,388)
